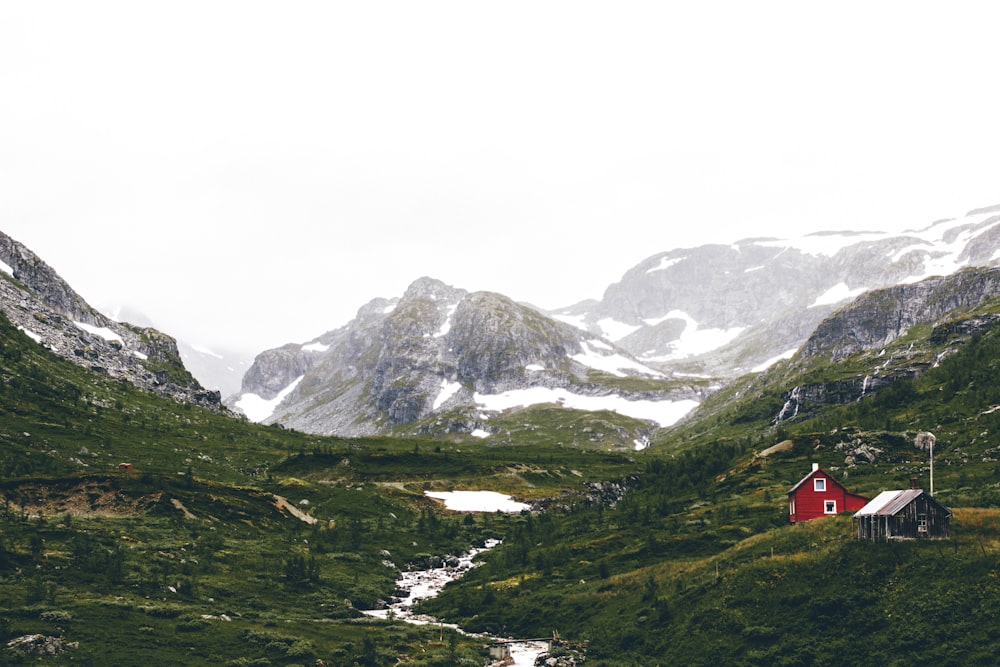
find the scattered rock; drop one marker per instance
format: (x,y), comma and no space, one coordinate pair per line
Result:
(39,645)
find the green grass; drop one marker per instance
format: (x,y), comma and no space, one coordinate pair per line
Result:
(696,564)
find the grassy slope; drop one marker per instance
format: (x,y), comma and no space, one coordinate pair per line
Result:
(699,566)
(145,566)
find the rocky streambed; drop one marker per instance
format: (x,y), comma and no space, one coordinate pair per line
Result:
(416,585)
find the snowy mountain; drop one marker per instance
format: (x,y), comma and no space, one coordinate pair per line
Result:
(715,311)
(725,310)
(438,350)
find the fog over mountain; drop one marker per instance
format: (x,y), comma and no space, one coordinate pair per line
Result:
(713,312)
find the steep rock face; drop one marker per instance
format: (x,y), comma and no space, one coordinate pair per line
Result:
(431,350)
(877,319)
(726,309)
(493,342)
(40,303)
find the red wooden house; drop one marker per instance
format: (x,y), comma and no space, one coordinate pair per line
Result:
(818,494)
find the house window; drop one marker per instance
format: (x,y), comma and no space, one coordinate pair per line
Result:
(819,484)
(829,507)
(921,523)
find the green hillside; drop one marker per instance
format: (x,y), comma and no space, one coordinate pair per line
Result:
(700,566)
(225,542)
(192,556)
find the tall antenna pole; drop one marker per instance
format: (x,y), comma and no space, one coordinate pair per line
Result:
(932,465)
(925,439)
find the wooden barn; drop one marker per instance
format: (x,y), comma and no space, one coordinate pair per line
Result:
(895,515)
(819,494)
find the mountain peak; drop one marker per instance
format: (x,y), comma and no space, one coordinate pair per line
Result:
(431,288)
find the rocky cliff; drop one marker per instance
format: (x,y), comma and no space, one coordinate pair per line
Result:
(40,303)
(953,307)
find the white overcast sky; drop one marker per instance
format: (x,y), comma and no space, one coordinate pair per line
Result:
(250,173)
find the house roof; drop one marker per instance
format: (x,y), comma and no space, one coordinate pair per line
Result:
(889,503)
(814,473)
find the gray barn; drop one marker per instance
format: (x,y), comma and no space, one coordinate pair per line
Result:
(902,514)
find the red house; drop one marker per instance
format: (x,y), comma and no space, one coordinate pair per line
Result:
(818,494)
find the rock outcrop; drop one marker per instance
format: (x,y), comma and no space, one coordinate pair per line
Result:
(40,303)
(877,319)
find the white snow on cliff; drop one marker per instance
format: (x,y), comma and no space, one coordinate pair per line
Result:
(836,294)
(446,326)
(666,263)
(6,268)
(663,413)
(258,409)
(315,347)
(448,389)
(31,334)
(103,332)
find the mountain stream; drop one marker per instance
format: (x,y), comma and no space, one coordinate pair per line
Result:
(420,585)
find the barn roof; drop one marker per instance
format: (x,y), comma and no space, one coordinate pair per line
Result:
(888,503)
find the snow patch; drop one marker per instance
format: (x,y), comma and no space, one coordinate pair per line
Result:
(534,367)
(446,327)
(824,244)
(694,340)
(609,363)
(477,501)
(139,355)
(836,294)
(666,263)
(258,409)
(103,332)
(480,433)
(663,413)
(615,330)
(448,389)
(787,354)
(31,334)
(5,267)
(315,346)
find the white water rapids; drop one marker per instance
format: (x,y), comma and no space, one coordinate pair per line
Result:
(424,584)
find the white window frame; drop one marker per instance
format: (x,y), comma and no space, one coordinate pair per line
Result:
(819,484)
(829,507)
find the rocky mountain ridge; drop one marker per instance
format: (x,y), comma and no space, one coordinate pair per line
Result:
(42,305)
(714,311)
(724,310)
(435,349)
